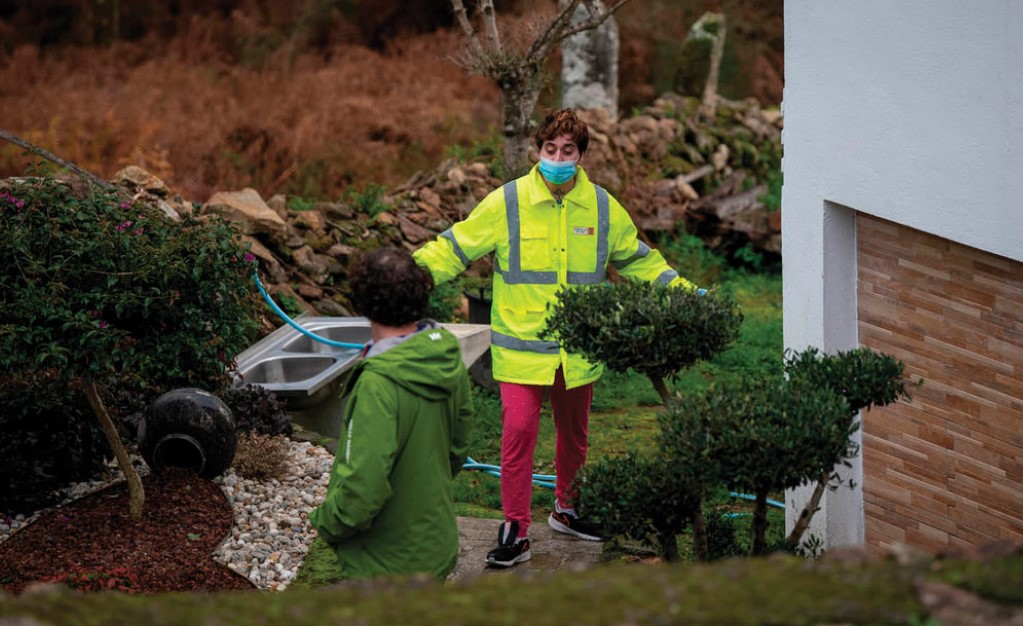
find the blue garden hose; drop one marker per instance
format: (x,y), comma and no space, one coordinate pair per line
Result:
(541,480)
(284,316)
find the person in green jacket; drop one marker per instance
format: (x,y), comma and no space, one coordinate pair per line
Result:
(404,434)
(548,230)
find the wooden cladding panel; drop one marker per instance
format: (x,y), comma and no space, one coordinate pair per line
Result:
(945,470)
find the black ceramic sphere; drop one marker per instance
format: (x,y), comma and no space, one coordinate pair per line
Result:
(188,428)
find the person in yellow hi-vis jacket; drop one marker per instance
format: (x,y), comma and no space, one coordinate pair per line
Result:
(549,229)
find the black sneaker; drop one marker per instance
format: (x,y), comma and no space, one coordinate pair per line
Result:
(510,549)
(571,524)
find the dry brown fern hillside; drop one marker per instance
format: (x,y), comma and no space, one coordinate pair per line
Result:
(302,97)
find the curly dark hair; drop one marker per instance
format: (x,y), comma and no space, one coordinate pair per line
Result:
(563,122)
(390,288)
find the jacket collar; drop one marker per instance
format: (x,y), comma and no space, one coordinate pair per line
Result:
(582,194)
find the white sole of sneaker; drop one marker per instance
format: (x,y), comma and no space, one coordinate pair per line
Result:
(561,528)
(525,556)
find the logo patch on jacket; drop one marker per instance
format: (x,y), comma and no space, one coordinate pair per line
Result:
(583,230)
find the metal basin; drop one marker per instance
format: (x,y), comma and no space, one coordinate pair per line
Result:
(308,374)
(287,369)
(346,334)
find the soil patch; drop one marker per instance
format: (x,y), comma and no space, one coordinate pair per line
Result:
(92,544)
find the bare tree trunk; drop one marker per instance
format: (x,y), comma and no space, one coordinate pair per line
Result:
(716,25)
(760,524)
(700,543)
(136,494)
(808,511)
(589,69)
(669,546)
(518,99)
(662,389)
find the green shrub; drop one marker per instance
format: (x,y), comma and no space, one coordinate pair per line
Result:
(370,200)
(257,410)
(98,289)
(645,499)
(760,434)
(652,329)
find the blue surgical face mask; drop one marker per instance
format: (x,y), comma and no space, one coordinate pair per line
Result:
(557,172)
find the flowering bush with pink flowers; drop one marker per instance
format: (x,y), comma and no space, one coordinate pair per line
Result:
(97,286)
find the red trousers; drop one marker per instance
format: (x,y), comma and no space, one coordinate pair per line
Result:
(520,416)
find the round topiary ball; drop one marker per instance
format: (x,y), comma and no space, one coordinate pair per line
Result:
(188,428)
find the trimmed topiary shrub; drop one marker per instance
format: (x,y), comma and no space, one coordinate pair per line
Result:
(658,331)
(99,290)
(653,329)
(757,434)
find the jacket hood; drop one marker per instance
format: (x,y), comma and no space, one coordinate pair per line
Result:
(427,363)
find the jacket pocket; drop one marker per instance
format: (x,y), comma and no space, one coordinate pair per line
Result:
(535,247)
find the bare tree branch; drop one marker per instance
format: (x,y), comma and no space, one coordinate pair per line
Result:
(561,27)
(490,25)
(470,33)
(49,156)
(542,46)
(593,21)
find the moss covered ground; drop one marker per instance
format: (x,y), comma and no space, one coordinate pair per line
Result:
(778,590)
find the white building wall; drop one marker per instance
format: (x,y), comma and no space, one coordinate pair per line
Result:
(911,111)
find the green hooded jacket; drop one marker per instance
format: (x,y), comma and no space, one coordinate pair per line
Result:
(404,436)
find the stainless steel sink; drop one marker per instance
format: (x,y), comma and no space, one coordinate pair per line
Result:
(308,374)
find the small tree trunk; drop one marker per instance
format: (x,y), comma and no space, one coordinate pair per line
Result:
(662,389)
(760,524)
(708,106)
(700,544)
(136,494)
(807,513)
(518,99)
(669,546)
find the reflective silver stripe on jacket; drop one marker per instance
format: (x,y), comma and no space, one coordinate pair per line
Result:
(603,232)
(514,275)
(641,252)
(447,234)
(666,277)
(523,345)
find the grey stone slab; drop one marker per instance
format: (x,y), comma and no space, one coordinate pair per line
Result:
(550,550)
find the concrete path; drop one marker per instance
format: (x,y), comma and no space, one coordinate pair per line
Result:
(550,550)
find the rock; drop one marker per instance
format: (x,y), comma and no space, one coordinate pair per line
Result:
(279,204)
(312,220)
(315,265)
(457,176)
(330,307)
(335,210)
(720,157)
(413,232)
(248,208)
(341,251)
(138,179)
(270,264)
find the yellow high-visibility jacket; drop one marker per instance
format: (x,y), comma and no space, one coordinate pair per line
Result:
(540,246)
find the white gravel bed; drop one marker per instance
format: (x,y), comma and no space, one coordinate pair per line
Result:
(271,532)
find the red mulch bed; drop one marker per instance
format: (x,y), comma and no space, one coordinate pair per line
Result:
(92,544)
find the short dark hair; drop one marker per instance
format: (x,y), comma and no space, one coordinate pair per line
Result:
(390,288)
(563,122)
